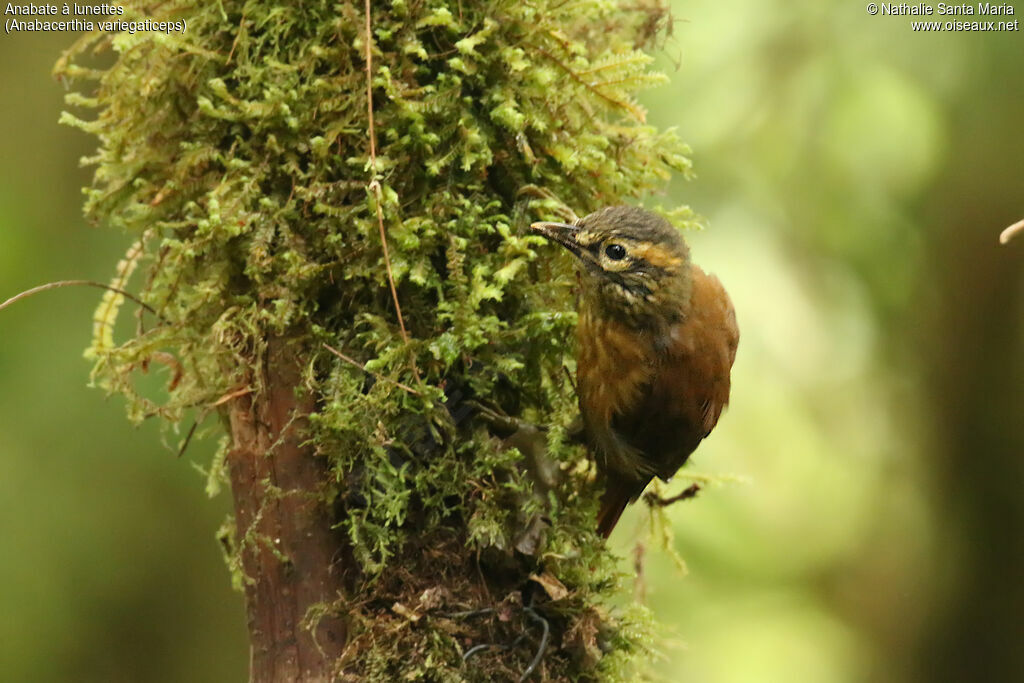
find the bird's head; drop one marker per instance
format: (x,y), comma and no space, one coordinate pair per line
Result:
(634,266)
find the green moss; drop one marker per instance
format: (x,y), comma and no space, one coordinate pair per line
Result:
(237,154)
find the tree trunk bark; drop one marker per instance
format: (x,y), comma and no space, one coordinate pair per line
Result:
(975,372)
(291,557)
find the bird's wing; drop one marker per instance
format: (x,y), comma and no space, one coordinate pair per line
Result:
(686,394)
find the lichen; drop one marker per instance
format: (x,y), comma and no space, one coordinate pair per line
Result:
(237,156)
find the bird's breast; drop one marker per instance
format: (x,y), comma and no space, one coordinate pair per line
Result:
(653,394)
(614,363)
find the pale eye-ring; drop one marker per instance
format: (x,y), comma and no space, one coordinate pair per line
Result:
(616,252)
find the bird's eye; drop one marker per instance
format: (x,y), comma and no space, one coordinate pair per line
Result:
(616,252)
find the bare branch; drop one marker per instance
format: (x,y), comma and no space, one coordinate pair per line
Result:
(1011,232)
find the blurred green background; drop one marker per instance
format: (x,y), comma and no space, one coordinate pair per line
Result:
(854,175)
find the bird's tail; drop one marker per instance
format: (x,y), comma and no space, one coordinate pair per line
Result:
(615,499)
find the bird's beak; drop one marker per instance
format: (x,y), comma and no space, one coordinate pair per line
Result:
(561,233)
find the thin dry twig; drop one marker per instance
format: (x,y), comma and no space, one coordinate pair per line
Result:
(375,183)
(234,393)
(77,283)
(375,375)
(168,360)
(191,433)
(1011,232)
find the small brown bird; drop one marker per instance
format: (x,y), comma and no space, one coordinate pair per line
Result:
(657,338)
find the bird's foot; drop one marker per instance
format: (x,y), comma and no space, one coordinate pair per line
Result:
(654,500)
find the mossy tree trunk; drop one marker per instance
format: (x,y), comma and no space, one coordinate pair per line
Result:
(277,483)
(398,514)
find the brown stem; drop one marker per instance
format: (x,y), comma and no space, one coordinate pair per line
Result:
(291,558)
(75,283)
(375,182)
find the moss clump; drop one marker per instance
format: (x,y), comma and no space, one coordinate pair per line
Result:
(238,155)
